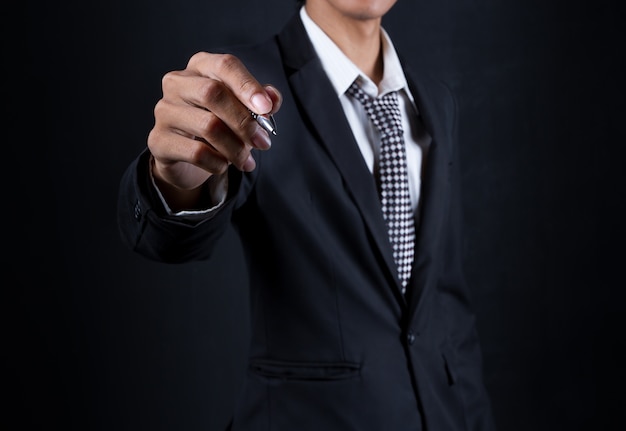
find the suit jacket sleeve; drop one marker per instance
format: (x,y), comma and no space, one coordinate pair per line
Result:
(147,229)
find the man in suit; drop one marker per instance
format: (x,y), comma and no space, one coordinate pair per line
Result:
(340,339)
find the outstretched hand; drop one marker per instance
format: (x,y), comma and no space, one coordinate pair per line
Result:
(203,124)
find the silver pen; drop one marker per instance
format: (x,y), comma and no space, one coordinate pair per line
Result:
(266,121)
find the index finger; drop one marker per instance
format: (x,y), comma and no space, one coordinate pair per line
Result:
(231,71)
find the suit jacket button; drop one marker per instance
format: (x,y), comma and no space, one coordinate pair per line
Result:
(137,211)
(410,338)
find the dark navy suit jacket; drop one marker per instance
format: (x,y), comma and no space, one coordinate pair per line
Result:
(334,344)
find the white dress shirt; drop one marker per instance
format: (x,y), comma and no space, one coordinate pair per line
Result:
(342,72)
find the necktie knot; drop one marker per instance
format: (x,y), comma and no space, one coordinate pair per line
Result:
(383,111)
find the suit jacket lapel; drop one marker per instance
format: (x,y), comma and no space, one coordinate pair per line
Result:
(437,119)
(315,95)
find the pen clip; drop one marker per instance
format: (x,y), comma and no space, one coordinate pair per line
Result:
(266,121)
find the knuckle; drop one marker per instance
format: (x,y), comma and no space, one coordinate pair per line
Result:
(168,82)
(213,93)
(227,62)
(241,155)
(197,58)
(202,154)
(156,141)
(209,126)
(197,153)
(247,85)
(159,108)
(152,139)
(244,122)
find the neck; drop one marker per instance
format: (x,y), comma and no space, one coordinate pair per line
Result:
(358,36)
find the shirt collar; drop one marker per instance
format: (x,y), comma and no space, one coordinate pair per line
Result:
(342,72)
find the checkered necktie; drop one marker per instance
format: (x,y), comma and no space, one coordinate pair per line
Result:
(393,178)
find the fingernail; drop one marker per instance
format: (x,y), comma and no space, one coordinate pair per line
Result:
(262,104)
(261,139)
(249,164)
(271,88)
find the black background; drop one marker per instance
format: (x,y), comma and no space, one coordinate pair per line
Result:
(100,339)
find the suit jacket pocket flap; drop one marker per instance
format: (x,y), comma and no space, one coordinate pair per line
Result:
(293,370)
